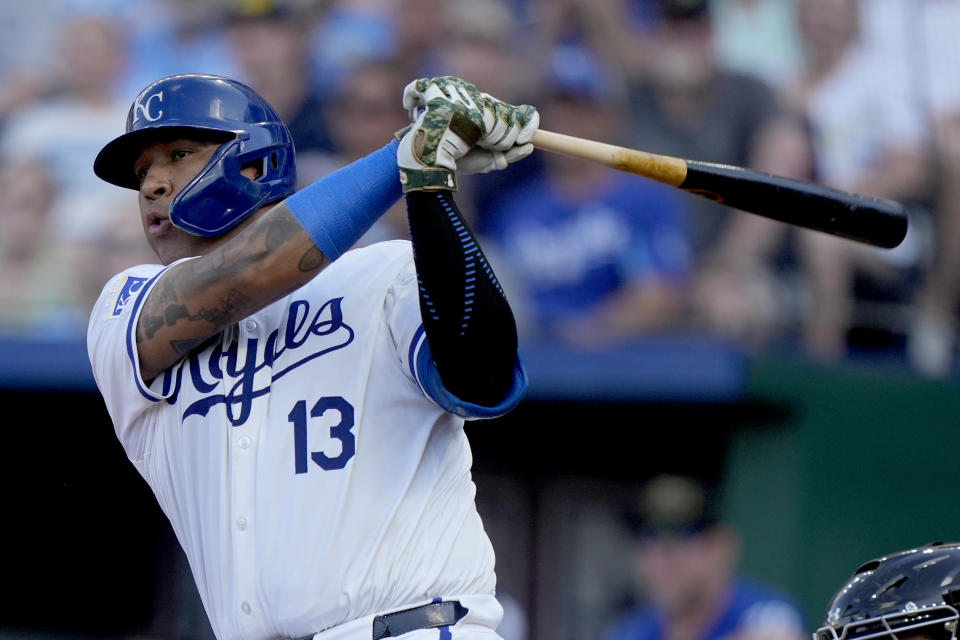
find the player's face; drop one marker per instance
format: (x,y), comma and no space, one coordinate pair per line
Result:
(163,169)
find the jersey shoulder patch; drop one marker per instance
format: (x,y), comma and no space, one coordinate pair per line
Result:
(129,286)
(123,289)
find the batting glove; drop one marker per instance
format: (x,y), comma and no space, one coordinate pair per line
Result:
(509,130)
(448,120)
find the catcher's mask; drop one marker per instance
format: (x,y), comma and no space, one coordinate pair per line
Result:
(905,594)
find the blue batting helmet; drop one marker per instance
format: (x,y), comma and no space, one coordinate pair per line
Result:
(219,197)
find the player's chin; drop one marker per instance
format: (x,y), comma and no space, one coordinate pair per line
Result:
(171,247)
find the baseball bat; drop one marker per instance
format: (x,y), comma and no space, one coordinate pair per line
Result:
(875,221)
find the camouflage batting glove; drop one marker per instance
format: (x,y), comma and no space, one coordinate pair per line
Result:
(507,125)
(448,120)
(509,132)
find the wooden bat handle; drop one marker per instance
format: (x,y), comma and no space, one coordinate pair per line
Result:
(874,221)
(666,169)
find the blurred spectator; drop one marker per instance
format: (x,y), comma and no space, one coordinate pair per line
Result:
(347,33)
(868,137)
(36,291)
(932,345)
(601,255)
(684,104)
(27,36)
(416,24)
(168,37)
(485,40)
(865,135)
(270,40)
(691,108)
(619,30)
(21,88)
(757,38)
(686,559)
(66,130)
(370,93)
(121,245)
(354,31)
(920,35)
(162,37)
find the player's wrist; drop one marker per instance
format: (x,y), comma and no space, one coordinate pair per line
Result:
(417,163)
(427,180)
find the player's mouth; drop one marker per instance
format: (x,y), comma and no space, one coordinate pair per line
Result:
(158,225)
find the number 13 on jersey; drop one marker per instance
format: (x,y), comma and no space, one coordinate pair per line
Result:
(340,431)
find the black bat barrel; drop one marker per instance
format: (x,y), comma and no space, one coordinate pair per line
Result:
(875,221)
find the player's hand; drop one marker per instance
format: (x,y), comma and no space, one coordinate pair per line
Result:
(506,125)
(448,119)
(509,130)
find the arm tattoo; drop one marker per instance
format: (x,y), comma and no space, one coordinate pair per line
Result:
(232,308)
(166,307)
(280,230)
(312,260)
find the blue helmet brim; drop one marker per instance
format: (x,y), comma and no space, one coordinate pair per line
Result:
(114,163)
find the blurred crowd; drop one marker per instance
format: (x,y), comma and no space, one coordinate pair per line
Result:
(859,95)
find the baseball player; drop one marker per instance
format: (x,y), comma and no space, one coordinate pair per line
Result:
(297,407)
(907,595)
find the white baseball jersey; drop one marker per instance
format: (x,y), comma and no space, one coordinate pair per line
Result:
(309,460)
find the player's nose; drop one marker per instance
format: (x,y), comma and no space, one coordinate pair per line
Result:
(156,184)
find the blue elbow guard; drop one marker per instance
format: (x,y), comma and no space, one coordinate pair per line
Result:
(338,209)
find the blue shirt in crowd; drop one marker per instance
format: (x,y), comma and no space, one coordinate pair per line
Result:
(572,255)
(752,608)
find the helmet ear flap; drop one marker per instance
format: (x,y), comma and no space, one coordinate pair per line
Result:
(218,197)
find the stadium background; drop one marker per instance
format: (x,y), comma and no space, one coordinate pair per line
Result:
(824,463)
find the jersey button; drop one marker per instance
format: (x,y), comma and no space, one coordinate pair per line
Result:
(242,524)
(245,607)
(251,325)
(244,442)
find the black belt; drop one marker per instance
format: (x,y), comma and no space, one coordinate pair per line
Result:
(428,616)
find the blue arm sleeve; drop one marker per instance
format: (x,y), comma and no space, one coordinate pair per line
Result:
(468,322)
(338,209)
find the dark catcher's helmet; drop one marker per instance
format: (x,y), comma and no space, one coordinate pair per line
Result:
(907,593)
(219,197)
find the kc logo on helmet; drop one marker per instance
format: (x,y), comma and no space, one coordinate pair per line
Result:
(144,107)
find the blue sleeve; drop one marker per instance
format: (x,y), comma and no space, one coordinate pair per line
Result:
(425,373)
(339,208)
